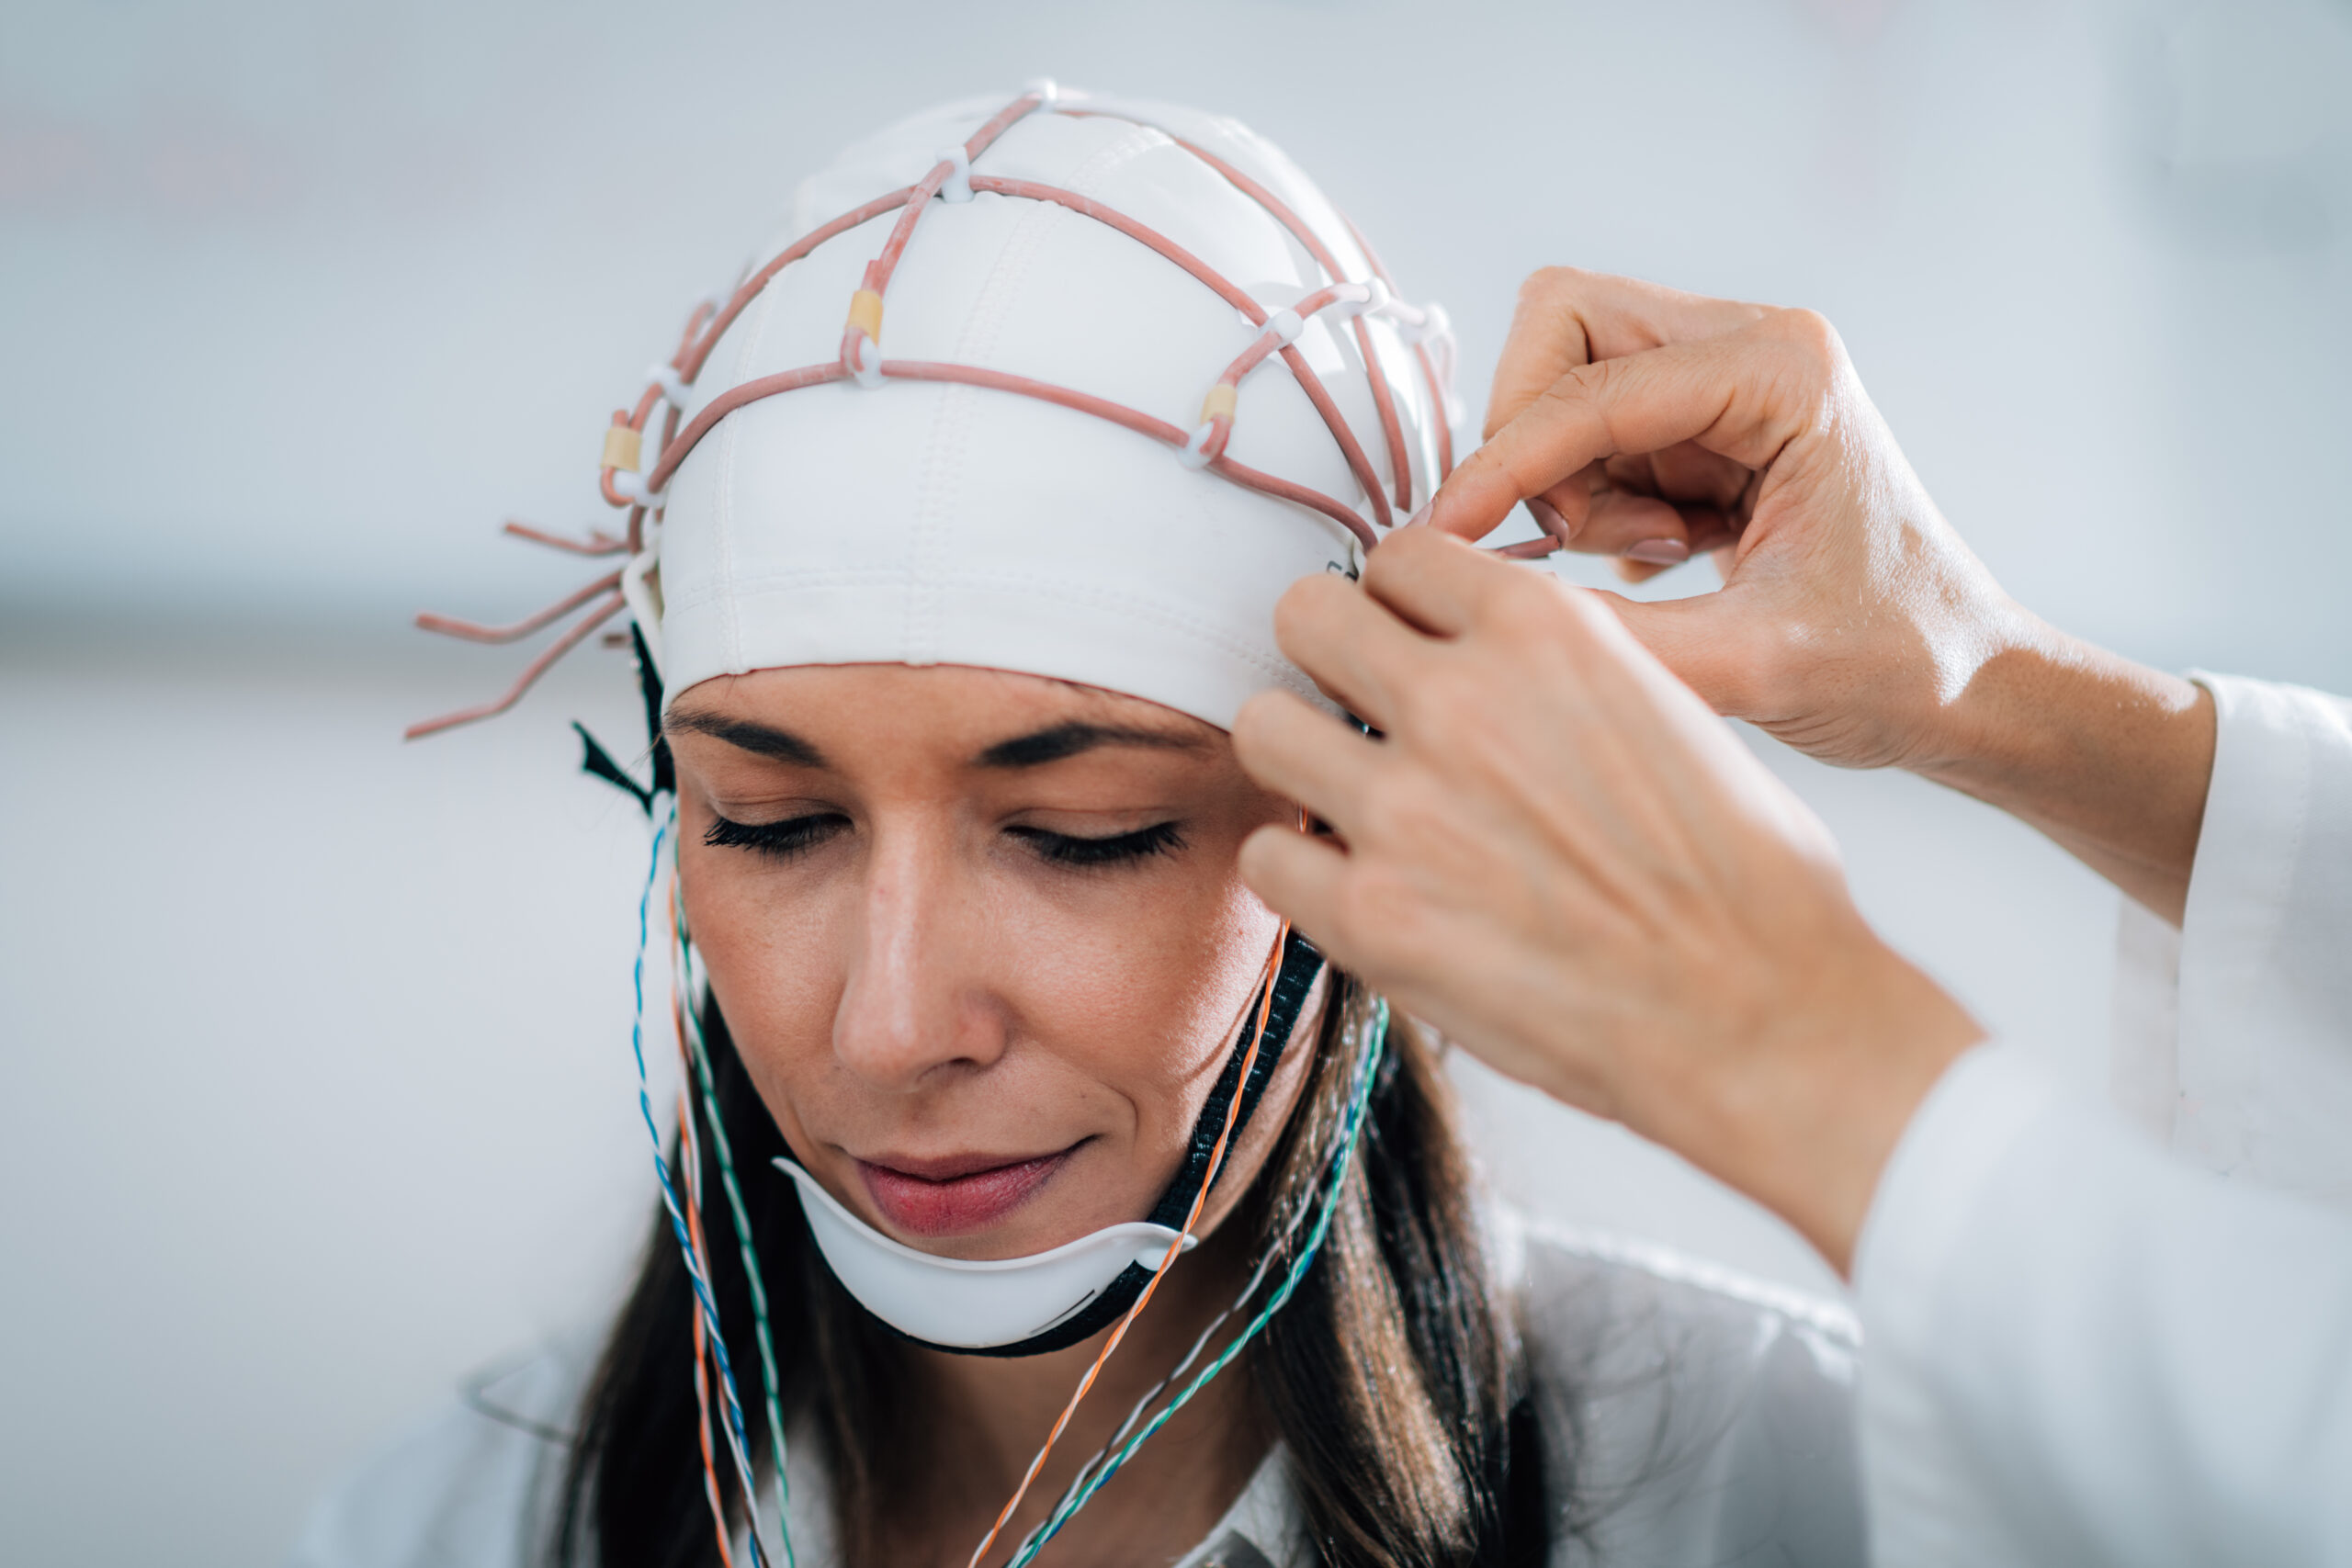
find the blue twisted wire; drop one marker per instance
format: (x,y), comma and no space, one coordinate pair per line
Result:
(772,1385)
(1359,1096)
(739,1447)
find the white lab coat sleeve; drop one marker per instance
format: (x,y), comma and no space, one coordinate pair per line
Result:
(2082,1351)
(2233,1039)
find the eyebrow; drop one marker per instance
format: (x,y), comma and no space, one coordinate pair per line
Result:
(766,740)
(1060,740)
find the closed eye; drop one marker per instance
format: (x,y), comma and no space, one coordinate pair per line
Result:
(777,841)
(1066,849)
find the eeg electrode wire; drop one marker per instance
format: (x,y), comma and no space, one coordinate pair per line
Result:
(1200,1199)
(1183,1364)
(642,492)
(690,1159)
(1258,1277)
(737,1446)
(690,1037)
(1360,1097)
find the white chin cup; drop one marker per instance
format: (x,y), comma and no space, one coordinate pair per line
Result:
(972,1305)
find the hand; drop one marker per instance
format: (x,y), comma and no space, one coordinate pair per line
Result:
(1559,857)
(1852,622)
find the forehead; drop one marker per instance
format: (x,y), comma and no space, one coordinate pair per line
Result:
(950,712)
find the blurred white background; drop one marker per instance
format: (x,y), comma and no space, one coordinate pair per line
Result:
(316,1044)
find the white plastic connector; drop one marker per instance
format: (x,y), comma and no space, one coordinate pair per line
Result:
(1366,299)
(673,385)
(866,368)
(1050,95)
(1195,453)
(631,489)
(1434,322)
(1285,326)
(957,187)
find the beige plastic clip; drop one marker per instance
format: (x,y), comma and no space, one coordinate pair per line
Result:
(865,313)
(1219,404)
(622,448)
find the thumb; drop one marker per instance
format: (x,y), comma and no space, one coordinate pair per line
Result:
(1711,642)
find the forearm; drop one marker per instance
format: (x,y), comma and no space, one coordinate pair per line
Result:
(2110,759)
(1804,1117)
(2082,1351)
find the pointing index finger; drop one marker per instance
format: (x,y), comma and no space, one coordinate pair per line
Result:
(1744,395)
(1566,317)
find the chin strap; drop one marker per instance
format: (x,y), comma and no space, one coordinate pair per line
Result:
(1295,979)
(1300,966)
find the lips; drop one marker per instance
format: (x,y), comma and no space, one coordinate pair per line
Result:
(955,1195)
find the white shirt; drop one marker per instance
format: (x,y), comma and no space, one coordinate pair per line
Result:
(1690,1418)
(2083,1351)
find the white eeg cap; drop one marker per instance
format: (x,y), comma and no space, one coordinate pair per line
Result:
(919,522)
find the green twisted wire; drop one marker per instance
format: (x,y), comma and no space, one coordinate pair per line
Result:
(773,1384)
(1340,1165)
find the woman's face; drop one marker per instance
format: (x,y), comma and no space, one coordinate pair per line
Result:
(979,939)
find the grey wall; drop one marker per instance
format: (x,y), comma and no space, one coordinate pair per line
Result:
(317,1044)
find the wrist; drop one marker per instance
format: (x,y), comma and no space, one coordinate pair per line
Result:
(1803,1114)
(2110,759)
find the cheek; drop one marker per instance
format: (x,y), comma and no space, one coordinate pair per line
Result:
(1149,1008)
(1167,997)
(774,970)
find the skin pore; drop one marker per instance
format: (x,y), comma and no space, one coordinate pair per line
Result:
(981,941)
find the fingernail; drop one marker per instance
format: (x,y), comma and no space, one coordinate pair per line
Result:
(1418,518)
(1547,517)
(1658,552)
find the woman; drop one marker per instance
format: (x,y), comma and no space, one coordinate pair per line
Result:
(1038,1193)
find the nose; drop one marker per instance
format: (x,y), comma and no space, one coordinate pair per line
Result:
(911,1005)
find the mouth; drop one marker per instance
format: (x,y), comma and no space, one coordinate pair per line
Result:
(957,1194)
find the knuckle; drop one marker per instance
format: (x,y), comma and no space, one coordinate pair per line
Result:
(1401,548)
(1296,609)
(1808,330)
(1525,608)
(1435,705)
(1463,736)
(1250,722)
(1534,618)
(1388,915)
(1396,815)
(1799,360)
(1809,345)
(1765,677)
(1579,385)
(1402,557)
(1548,284)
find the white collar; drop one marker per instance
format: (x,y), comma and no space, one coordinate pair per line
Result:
(1264,1518)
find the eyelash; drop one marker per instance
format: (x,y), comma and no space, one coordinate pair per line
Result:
(796,835)
(1062,848)
(777,841)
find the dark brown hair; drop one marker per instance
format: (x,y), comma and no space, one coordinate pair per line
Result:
(1391,1375)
